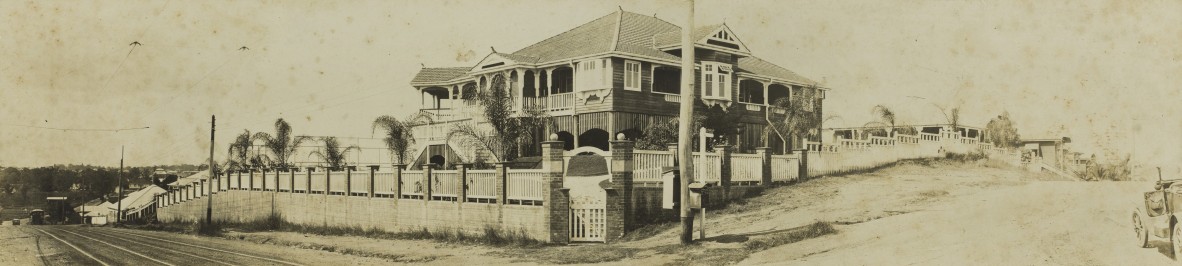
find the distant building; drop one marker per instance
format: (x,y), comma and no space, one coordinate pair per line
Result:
(1053,151)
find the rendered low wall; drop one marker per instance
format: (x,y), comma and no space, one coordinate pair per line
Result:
(387,214)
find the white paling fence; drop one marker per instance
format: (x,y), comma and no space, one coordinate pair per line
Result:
(647,165)
(337,182)
(525,184)
(482,184)
(414,184)
(746,168)
(385,185)
(707,167)
(301,183)
(445,184)
(271,181)
(359,183)
(256,181)
(284,182)
(319,185)
(785,168)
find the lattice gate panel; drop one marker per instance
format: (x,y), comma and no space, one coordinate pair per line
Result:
(588,219)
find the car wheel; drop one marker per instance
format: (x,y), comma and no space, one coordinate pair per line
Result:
(1139,228)
(1176,242)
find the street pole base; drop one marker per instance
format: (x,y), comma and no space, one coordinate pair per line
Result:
(687,230)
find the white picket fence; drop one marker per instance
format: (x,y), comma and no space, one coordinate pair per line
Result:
(414,183)
(647,165)
(746,168)
(482,184)
(525,184)
(385,184)
(445,183)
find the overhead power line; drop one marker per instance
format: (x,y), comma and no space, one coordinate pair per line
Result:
(75,129)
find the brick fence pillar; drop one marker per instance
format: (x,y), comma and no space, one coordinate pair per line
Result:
(556,198)
(462,175)
(765,162)
(620,212)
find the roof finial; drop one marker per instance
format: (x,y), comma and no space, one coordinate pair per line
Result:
(621,8)
(654,15)
(494,49)
(422,65)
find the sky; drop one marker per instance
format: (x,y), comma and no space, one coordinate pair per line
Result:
(1104,73)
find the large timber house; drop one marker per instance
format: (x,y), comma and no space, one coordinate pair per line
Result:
(615,74)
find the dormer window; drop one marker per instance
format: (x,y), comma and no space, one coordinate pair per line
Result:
(716,77)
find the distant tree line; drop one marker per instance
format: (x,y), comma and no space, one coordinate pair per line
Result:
(29,186)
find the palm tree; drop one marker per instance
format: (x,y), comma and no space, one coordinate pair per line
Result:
(399,134)
(239,150)
(800,118)
(886,118)
(282,145)
(332,154)
(509,133)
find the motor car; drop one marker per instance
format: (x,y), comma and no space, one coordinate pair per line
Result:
(1159,214)
(16,221)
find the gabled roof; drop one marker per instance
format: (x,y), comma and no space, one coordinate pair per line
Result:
(671,38)
(757,66)
(436,75)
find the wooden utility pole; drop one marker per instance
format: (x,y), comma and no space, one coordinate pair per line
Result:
(119,187)
(209,198)
(685,124)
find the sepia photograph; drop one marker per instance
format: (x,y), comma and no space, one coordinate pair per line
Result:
(615,132)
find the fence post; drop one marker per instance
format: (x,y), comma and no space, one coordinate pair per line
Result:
(724,167)
(327,181)
(349,180)
(429,183)
(501,181)
(263,186)
(672,148)
(398,180)
(250,180)
(462,174)
(556,198)
(373,169)
(291,185)
(620,211)
(803,170)
(765,169)
(308,188)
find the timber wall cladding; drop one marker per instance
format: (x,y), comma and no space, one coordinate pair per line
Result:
(387,214)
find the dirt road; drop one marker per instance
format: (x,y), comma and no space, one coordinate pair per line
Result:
(1038,223)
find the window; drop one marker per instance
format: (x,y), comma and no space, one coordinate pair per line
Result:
(716,79)
(632,75)
(593,74)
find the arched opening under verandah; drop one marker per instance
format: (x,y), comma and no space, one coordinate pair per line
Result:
(595,137)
